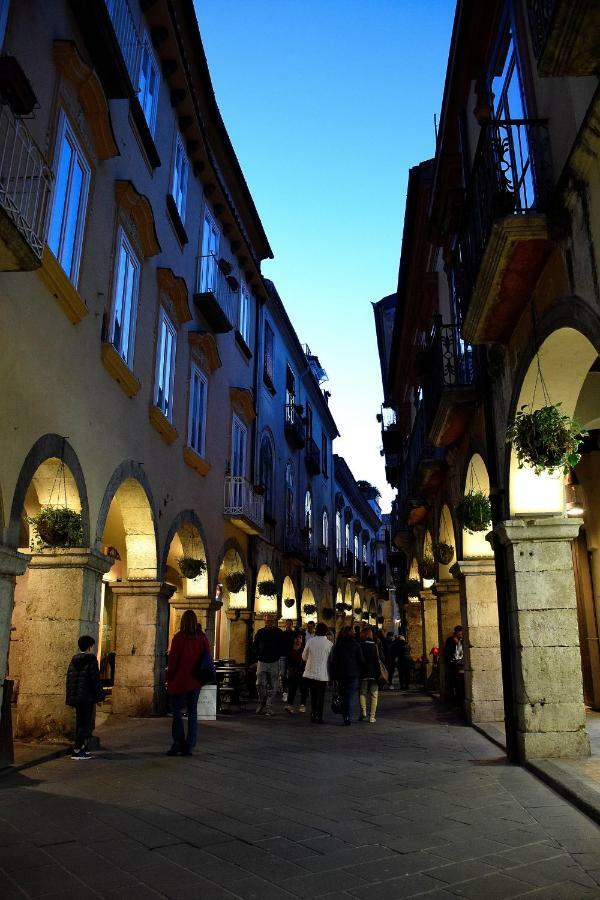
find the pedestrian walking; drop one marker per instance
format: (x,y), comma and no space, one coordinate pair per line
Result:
(83,691)
(455,666)
(346,665)
(404,662)
(310,632)
(296,681)
(189,668)
(287,642)
(370,674)
(316,671)
(268,650)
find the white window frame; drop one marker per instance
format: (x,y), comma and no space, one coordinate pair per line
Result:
(197,415)
(123,244)
(236,422)
(67,134)
(165,359)
(143,91)
(207,270)
(338,533)
(179,177)
(244,313)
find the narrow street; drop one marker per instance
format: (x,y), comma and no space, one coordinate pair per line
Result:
(415,805)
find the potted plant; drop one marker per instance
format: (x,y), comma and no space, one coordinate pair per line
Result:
(236,582)
(340,608)
(327,613)
(413,587)
(427,566)
(364,616)
(444,553)
(267,588)
(289,602)
(57,526)
(348,607)
(475,511)
(546,439)
(309,609)
(190,567)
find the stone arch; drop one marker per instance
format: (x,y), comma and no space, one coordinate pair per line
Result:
(47,449)
(129,491)
(181,523)
(445,535)
(476,478)
(308,598)
(289,592)
(265,604)
(231,626)
(186,537)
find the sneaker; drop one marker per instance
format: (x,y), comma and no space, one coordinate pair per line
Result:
(80,754)
(372,720)
(260,710)
(290,710)
(284,697)
(302,708)
(173,751)
(269,711)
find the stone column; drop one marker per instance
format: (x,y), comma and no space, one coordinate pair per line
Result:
(481,640)
(142,632)
(430,628)
(448,604)
(11,565)
(414,628)
(62,603)
(544,637)
(240,620)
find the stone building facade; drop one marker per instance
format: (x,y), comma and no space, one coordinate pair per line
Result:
(497,308)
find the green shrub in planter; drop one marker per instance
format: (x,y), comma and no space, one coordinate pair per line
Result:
(267,588)
(413,587)
(327,613)
(289,602)
(475,512)
(309,609)
(236,582)
(427,566)
(444,553)
(546,439)
(190,567)
(57,526)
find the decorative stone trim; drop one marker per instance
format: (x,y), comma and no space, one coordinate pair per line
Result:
(119,370)
(90,95)
(61,287)
(140,210)
(243,402)
(207,345)
(175,288)
(195,461)
(167,431)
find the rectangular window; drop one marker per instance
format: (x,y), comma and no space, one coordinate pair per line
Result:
(244,320)
(126,288)
(238,459)
(210,255)
(197,412)
(4,5)
(308,421)
(165,365)
(290,387)
(268,362)
(180,178)
(324,453)
(148,84)
(65,235)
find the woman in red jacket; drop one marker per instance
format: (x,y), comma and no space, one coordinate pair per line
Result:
(188,652)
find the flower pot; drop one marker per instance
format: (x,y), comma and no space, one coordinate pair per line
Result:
(58,527)
(191,567)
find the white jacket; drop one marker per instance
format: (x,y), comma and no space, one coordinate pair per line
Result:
(315,655)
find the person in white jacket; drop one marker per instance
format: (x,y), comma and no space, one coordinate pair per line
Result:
(316,671)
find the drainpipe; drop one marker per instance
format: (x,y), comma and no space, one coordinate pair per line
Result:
(488,383)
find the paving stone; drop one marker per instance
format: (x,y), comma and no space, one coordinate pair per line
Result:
(491,887)
(397,888)
(462,871)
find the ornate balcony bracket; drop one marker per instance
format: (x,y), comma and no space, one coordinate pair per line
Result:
(243,403)
(207,347)
(140,210)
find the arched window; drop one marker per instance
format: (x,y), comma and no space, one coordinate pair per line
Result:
(347,543)
(266,473)
(338,534)
(325,530)
(356,553)
(365,553)
(308,517)
(289,498)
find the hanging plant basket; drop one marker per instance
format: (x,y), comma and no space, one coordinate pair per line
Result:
(267,588)
(444,553)
(427,566)
(546,439)
(289,602)
(309,609)
(413,587)
(190,567)
(365,616)
(57,526)
(348,607)
(327,613)
(380,620)
(236,582)
(475,512)
(340,608)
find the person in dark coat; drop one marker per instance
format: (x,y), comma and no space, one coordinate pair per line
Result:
(189,650)
(267,650)
(370,673)
(404,662)
(346,666)
(454,665)
(84,690)
(296,681)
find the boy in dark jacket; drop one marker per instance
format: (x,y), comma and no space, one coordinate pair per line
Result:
(84,690)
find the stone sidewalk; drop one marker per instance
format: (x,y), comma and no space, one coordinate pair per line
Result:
(415,805)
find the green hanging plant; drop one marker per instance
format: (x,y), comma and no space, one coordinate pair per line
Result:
(236,582)
(348,607)
(339,608)
(327,613)
(309,609)
(57,526)
(546,439)
(289,602)
(413,587)
(190,567)
(267,588)
(364,616)
(475,511)
(444,553)
(427,566)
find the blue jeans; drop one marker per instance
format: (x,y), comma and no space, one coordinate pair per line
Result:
(348,690)
(188,699)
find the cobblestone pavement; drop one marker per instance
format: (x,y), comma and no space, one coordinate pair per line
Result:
(415,805)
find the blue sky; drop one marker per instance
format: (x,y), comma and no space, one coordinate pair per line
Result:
(328,103)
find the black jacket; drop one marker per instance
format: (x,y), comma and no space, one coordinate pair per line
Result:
(269,645)
(83,680)
(371,654)
(347,659)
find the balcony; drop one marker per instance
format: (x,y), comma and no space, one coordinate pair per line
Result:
(318,560)
(242,505)
(296,545)
(25,185)
(294,426)
(113,43)
(312,457)
(217,298)
(451,390)
(345,563)
(391,431)
(424,463)
(565,35)
(504,240)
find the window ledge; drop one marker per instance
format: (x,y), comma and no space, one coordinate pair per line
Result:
(195,461)
(61,287)
(242,345)
(119,370)
(268,382)
(144,133)
(176,222)
(167,431)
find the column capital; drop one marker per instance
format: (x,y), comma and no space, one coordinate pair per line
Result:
(71,558)
(550,528)
(143,587)
(447,586)
(12,562)
(484,565)
(427,595)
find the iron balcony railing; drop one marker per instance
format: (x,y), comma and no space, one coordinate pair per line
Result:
(511,176)
(241,501)
(541,20)
(318,559)
(25,181)
(296,543)
(451,364)
(214,281)
(126,34)
(419,448)
(294,425)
